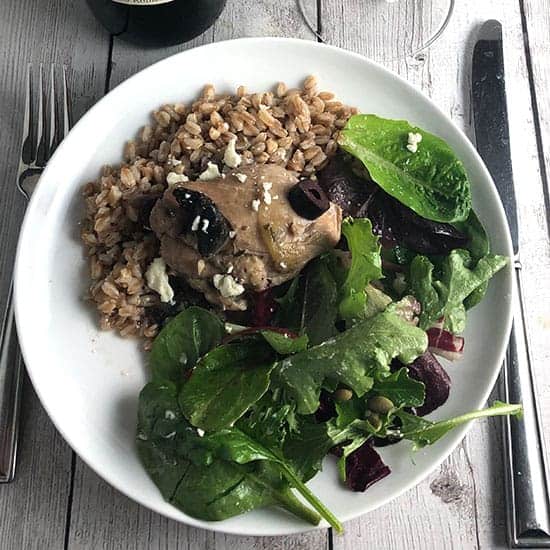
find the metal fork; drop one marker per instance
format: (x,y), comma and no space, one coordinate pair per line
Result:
(45,124)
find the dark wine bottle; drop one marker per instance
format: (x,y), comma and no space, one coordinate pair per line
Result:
(154,23)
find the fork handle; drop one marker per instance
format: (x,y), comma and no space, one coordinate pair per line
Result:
(526,481)
(11,381)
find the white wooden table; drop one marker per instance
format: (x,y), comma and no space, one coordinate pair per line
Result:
(56,501)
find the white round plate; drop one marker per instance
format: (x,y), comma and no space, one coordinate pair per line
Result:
(89,380)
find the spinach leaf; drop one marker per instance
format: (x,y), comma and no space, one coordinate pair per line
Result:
(289,312)
(442,294)
(180,344)
(401,389)
(431,181)
(169,449)
(351,358)
(283,344)
(310,305)
(235,445)
(225,383)
(423,432)
(320,302)
(366,266)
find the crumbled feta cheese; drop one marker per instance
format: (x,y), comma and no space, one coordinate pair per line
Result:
(200,432)
(232,234)
(267,185)
(157,280)
(227,286)
(200,267)
(241,177)
(232,328)
(205,224)
(413,140)
(173,179)
(211,173)
(267,197)
(275,197)
(187,196)
(282,265)
(230,268)
(255,205)
(195,224)
(231,158)
(173,161)
(169,415)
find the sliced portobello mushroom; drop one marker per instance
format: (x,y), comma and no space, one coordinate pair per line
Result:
(203,219)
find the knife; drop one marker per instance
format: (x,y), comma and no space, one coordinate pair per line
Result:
(527,496)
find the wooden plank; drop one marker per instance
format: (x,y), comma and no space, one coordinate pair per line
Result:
(102,517)
(537,25)
(34,507)
(462,504)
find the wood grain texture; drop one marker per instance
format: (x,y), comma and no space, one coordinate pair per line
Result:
(461,505)
(34,507)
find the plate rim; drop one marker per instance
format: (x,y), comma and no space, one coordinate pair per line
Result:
(26,342)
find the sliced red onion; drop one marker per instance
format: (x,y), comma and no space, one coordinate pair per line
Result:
(444,343)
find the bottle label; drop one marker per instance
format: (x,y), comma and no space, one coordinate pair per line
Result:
(142,2)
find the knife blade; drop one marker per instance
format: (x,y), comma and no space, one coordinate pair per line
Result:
(527,503)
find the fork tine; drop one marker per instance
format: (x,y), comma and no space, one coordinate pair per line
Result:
(42,130)
(66,106)
(53,134)
(28,144)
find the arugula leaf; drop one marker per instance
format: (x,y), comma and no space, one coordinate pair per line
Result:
(366,266)
(225,383)
(432,181)
(351,358)
(454,282)
(169,447)
(180,344)
(283,344)
(401,389)
(423,432)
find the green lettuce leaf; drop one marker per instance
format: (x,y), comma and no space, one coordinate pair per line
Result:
(351,358)
(180,344)
(401,389)
(366,266)
(284,344)
(442,292)
(432,181)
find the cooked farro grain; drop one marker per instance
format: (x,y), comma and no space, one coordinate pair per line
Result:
(295,128)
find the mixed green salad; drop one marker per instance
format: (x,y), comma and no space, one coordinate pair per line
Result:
(340,360)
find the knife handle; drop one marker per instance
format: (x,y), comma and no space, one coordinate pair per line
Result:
(527,485)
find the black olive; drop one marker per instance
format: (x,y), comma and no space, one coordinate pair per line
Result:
(204,220)
(308,199)
(143,205)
